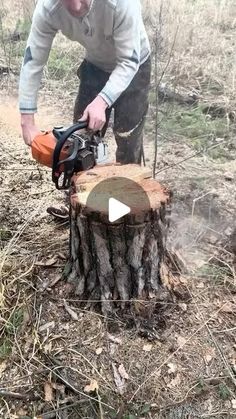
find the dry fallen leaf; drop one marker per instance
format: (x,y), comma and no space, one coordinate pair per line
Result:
(71,312)
(112,348)
(172,368)
(3,366)
(114,339)
(48,392)
(47,263)
(122,372)
(229,308)
(90,388)
(183,280)
(200,285)
(47,348)
(148,347)
(208,359)
(209,355)
(61,256)
(55,280)
(234,363)
(181,341)
(233,403)
(120,382)
(99,351)
(183,306)
(175,382)
(46,326)
(21,413)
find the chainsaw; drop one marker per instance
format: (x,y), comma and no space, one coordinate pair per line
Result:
(67,151)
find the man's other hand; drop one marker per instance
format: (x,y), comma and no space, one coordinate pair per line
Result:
(28,127)
(95,114)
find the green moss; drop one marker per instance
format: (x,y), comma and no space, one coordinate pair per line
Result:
(23,27)
(5,348)
(10,329)
(224,391)
(5,234)
(196,128)
(14,322)
(215,273)
(192,123)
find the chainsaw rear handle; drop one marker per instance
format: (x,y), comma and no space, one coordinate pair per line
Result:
(59,145)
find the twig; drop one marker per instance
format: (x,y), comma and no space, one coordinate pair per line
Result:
(60,409)
(51,415)
(170,56)
(198,153)
(27,272)
(100,405)
(156,100)
(93,367)
(226,330)
(70,386)
(70,311)
(157,83)
(216,344)
(225,362)
(18,396)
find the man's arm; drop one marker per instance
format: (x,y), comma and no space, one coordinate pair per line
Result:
(128,24)
(36,55)
(127,43)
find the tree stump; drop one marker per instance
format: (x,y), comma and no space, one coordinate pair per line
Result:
(121,262)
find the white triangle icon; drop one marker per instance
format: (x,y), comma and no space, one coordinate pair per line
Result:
(117,210)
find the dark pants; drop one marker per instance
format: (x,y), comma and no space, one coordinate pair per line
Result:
(130,109)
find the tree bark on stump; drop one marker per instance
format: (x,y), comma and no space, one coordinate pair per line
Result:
(122,262)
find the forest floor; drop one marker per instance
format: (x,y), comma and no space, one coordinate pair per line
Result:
(74,363)
(59,359)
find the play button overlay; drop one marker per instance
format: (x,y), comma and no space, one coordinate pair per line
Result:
(117,210)
(115,200)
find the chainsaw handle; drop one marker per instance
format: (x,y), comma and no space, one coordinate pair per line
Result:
(59,145)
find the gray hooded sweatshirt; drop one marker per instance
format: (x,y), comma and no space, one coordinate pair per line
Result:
(112,33)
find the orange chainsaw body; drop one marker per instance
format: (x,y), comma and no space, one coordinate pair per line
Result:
(43,146)
(66,151)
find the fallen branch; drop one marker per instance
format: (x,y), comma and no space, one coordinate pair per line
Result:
(165,94)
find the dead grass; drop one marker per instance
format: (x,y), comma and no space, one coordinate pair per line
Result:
(203,56)
(49,354)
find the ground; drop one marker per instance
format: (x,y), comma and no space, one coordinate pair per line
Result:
(61,359)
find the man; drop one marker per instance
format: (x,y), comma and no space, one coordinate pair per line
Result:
(115,73)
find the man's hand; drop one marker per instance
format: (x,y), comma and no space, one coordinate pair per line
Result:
(95,114)
(29,129)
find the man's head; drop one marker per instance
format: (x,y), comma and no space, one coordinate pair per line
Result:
(77,8)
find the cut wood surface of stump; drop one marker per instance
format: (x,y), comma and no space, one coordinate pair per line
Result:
(115,263)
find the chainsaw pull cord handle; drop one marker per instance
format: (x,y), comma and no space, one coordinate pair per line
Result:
(59,145)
